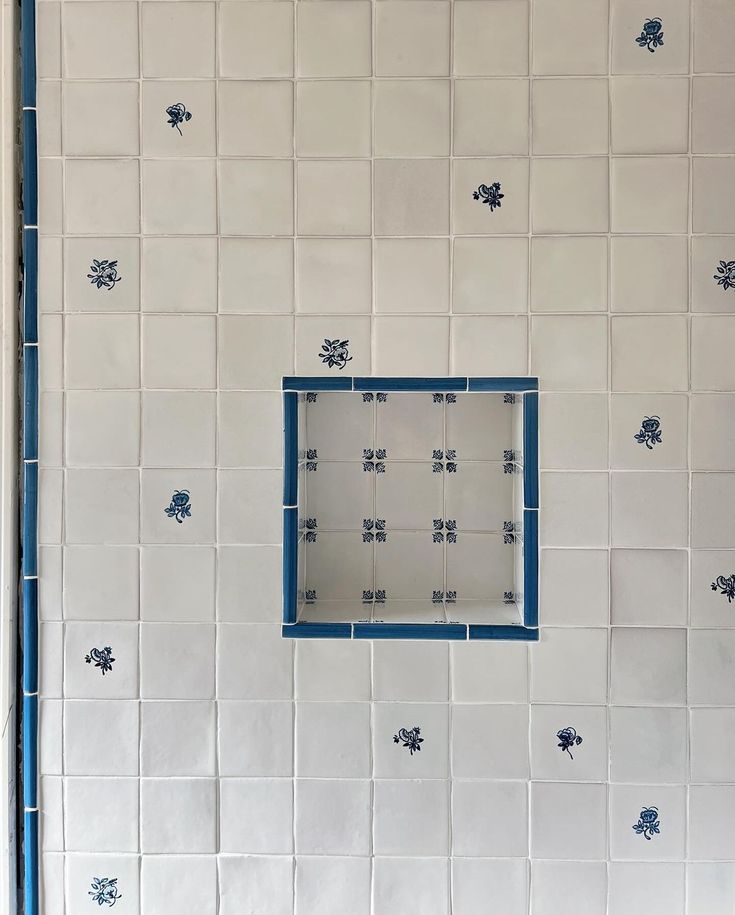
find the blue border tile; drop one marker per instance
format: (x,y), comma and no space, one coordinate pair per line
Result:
(306,630)
(30,285)
(30,635)
(30,750)
(505,633)
(30,403)
(508,383)
(409,384)
(530,567)
(432,631)
(315,383)
(290,447)
(28,53)
(29,431)
(530,450)
(29,541)
(30,860)
(290,562)
(30,169)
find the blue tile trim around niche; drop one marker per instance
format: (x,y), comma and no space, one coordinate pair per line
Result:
(293,384)
(290,448)
(530,567)
(530,450)
(386,383)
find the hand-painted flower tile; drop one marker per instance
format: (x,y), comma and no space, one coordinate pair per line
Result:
(652,35)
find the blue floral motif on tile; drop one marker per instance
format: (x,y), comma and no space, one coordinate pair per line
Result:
(377,596)
(489,194)
(311,459)
(374,530)
(509,398)
(444,529)
(309,596)
(410,738)
(104,891)
(178,115)
(650,432)
(311,396)
(368,397)
(310,530)
(180,506)
(335,353)
(444,460)
(508,597)
(102,658)
(725,275)
(509,531)
(104,274)
(439,398)
(372,460)
(438,596)
(568,738)
(509,457)
(725,586)
(651,36)
(648,823)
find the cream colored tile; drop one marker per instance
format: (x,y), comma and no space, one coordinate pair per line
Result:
(504,134)
(411,275)
(569,196)
(256,39)
(713,195)
(569,352)
(498,24)
(402,204)
(711,132)
(334,198)
(177,42)
(333,118)
(635,286)
(334,275)
(557,49)
(559,128)
(649,353)
(334,38)
(490,345)
(714,36)
(633,128)
(635,209)
(399,51)
(569,274)
(411,116)
(256,197)
(490,275)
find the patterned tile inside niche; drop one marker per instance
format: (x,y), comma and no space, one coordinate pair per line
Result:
(391,484)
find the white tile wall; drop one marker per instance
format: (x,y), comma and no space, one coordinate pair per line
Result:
(323,187)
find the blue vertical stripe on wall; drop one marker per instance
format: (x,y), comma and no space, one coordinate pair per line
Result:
(30,403)
(30,285)
(29,447)
(30,635)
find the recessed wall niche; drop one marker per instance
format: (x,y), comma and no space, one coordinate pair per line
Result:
(410,508)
